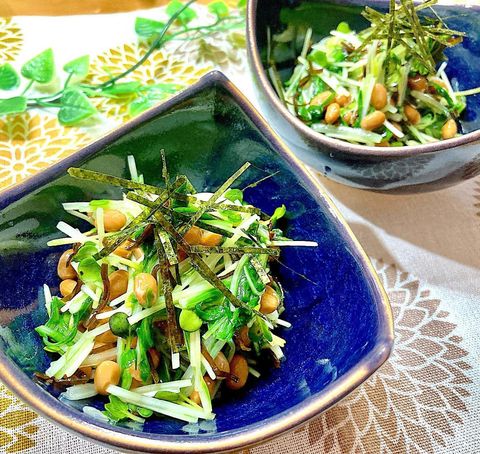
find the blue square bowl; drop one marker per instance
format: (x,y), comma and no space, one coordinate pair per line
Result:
(342,324)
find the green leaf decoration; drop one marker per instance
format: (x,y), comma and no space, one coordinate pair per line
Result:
(8,77)
(124,88)
(79,67)
(140,104)
(219,8)
(16,104)
(165,88)
(40,68)
(146,28)
(242,4)
(75,107)
(153,95)
(187,16)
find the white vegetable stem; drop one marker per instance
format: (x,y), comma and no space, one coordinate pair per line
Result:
(177,411)
(79,392)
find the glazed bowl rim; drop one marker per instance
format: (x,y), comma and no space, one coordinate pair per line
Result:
(322,140)
(56,411)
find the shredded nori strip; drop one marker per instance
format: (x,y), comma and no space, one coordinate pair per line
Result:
(148,203)
(202,267)
(165,174)
(167,247)
(64,382)
(215,196)
(262,274)
(106,283)
(75,249)
(217,206)
(138,242)
(133,185)
(174,335)
(261,180)
(91,175)
(135,224)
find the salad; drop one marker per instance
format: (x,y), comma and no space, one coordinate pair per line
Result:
(166,300)
(382,86)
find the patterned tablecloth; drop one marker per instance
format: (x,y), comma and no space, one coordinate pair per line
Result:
(424,247)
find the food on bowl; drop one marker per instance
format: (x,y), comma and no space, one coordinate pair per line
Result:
(382,86)
(166,300)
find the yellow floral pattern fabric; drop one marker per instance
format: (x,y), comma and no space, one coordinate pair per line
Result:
(18,424)
(11,39)
(30,143)
(162,67)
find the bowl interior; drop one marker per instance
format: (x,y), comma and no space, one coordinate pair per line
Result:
(323,16)
(337,314)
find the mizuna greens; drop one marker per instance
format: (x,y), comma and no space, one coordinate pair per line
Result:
(166,299)
(383,86)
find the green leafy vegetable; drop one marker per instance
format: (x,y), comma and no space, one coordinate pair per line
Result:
(89,271)
(234,194)
(278,214)
(87,250)
(61,328)
(117,410)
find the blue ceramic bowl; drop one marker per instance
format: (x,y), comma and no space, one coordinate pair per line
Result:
(406,169)
(342,325)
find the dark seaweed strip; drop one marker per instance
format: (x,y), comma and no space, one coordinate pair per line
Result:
(135,224)
(91,175)
(262,274)
(165,174)
(148,203)
(215,196)
(75,248)
(261,180)
(173,332)
(217,206)
(235,250)
(202,268)
(255,241)
(168,248)
(417,31)
(138,242)
(106,283)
